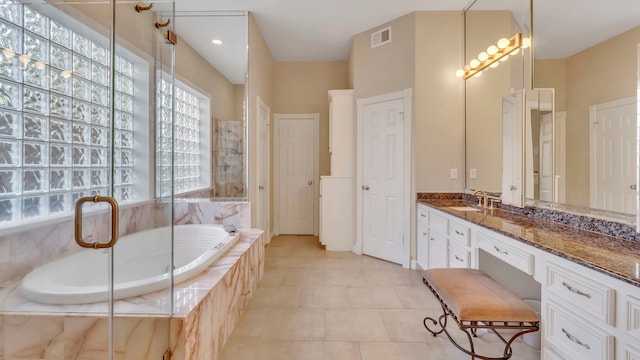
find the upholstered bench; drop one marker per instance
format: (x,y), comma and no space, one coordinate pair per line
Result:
(476,301)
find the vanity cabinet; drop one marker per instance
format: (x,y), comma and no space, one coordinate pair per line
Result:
(585,314)
(441,240)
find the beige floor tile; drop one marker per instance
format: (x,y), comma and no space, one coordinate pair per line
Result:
(295,324)
(398,351)
(391,277)
(313,304)
(252,350)
(370,297)
(251,325)
(324,296)
(276,297)
(346,277)
(355,325)
(413,297)
(325,350)
(405,325)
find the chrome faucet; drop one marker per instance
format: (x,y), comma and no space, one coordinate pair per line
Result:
(482,198)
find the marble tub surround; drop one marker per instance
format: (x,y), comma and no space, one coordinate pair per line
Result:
(608,254)
(206,308)
(211,211)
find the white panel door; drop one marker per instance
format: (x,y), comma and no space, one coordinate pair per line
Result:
(546,158)
(383,180)
(296,175)
(613,156)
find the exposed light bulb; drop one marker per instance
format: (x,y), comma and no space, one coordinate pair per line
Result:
(494,65)
(505,58)
(492,50)
(478,74)
(503,43)
(8,53)
(24,59)
(474,63)
(459,73)
(65,74)
(516,51)
(466,68)
(526,42)
(216,42)
(40,65)
(483,56)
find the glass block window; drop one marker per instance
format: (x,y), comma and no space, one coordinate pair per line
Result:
(186,131)
(55,118)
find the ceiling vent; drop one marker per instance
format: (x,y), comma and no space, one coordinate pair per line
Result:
(381,37)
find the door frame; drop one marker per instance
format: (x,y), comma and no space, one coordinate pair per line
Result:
(277,117)
(264,147)
(406,96)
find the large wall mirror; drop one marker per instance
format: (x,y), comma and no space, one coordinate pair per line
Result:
(221,40)
(588,57)
(487,21)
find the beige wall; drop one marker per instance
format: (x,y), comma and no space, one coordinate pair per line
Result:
(386,68)
(260,84)
(424,54)
(301,87)
(602,73)
(484,98)
(439,102)
(551,73)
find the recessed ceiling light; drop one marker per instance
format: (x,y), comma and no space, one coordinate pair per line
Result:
(216,41)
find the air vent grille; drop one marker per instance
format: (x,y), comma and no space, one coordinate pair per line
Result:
(381,37)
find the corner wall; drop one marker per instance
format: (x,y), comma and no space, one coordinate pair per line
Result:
(302,87)
(260,84)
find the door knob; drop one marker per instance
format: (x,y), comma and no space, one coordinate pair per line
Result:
(365,187)
(633,187)
(514,188)
(260,187)
(309,182)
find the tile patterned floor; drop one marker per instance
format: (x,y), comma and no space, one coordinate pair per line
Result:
(315,304)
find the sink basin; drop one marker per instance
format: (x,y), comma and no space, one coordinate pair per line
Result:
(463,208)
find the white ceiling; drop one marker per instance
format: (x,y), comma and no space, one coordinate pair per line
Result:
(303,30)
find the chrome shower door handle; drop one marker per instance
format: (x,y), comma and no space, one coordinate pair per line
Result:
(114,222)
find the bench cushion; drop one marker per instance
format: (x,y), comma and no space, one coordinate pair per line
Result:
(471,295)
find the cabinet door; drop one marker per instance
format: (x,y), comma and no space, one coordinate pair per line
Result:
(422,247)
(438,250)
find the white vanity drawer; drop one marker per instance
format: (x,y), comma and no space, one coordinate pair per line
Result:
(516,257)
(459,256)
(585,294)
(459,232)
(633,317)
(438,222)
(423,214)
(575,338)
(551,355)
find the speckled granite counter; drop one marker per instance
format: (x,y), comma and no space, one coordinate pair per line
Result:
(613,256)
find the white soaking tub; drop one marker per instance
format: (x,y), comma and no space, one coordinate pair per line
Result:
(141,265)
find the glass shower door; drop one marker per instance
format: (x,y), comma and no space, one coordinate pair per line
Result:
(78,85)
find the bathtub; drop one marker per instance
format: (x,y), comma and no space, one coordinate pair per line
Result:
(141,265)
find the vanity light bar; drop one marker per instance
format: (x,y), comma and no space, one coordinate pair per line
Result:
(494,53)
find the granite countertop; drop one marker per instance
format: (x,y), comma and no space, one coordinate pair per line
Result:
(611,255)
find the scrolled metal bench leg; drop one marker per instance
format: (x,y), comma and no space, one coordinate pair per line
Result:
(444,315)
